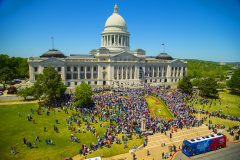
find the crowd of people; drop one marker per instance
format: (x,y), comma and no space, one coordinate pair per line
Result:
(120,111)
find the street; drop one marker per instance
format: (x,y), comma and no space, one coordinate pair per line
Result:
(231,152)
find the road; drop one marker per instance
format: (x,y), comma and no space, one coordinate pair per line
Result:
(231,152)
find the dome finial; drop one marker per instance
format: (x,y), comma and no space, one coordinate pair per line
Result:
(115,8)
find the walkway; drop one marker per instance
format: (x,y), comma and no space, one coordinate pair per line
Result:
(155,141)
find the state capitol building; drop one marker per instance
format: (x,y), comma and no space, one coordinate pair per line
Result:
(113,64)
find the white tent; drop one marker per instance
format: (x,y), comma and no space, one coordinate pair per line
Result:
(95,158)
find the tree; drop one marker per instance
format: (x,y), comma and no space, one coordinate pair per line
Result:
(49,85)
(25,92)
(185,86)
(12,67)
(195,82)
(208,87)
(83,94)
(234,82)
(6,75)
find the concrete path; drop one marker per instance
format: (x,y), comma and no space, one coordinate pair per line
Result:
(17,102)
(155,141)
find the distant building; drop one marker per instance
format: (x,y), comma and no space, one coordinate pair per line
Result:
(114,64)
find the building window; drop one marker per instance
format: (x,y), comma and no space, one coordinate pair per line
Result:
(59,69)
(75,76)
(95,75)
(89,82)
(104,68)
(36,76)
(68,68)
(88,75)
(95,68)
(69,76)
(82,76)
(75,69)
(35,69)
(82,68)
(68,84)
(95,82)
(75,83)
(88,69)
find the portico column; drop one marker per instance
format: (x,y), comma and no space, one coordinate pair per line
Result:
(78,72)
(110,36)
(122,71)
(105,40)
(117,72)
(153,71)
(114,37)
(91,69)
(63,73)
(85,72)
(181,73)
(131,77)
(135,72)
(121,40)
(126,72)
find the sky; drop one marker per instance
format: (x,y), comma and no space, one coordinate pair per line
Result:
(190,29)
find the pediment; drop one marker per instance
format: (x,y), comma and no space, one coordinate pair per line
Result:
(125,55)
(52,60)
(177,62)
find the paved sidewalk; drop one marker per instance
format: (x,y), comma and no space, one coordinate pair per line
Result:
(17,102)
(155,141)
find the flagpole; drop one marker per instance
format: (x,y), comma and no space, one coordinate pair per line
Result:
(52,42)
(163,47)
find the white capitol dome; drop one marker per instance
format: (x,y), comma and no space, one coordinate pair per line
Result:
(115,19)
(115,36)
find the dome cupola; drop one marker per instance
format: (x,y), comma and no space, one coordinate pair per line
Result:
(53,53)
(115,36)
(164,56)
(115,19)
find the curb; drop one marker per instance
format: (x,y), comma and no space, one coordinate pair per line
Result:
(175,154)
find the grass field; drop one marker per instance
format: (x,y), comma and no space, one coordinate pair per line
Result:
(215,120)
(230,105)
(14,129)
(157,107)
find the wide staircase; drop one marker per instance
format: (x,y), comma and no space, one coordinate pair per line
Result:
(155,143)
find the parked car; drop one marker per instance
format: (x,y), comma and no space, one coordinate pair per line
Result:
(1,92)
(12,90)
(2,89)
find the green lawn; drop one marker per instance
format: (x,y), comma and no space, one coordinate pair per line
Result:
(14,129)
(230,104)
(215,120)
(157,107)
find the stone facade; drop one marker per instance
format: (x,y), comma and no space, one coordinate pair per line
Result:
(113,64)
